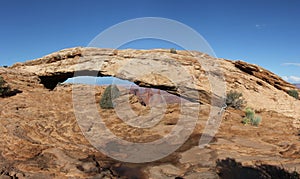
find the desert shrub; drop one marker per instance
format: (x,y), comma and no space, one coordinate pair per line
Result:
(235,100)
(111,92)
(256,121)
(4,89)
(249,113)
(251,118)
(294,93)
(173,50)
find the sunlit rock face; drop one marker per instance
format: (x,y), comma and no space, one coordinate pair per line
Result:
(183,74)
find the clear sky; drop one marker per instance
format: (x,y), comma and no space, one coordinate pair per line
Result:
(264,32)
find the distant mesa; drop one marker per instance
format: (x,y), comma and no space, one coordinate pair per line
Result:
(146,95)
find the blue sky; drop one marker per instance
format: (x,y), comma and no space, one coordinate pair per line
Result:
(91,80)
(263,32)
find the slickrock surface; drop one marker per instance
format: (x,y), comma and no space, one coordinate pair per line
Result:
(41,137)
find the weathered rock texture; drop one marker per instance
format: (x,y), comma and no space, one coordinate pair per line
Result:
(180,74)
(41,137)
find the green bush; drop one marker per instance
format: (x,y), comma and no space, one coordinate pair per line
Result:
(173,50)
(249,113)
(234,99)
(294,93)
(256,121)
(111,92)
(4,89)
(251,118)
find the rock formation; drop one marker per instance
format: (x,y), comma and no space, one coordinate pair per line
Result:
(178,74)
(41,137)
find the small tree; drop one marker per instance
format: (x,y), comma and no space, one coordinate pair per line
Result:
(111,92)
(294,93)
(234,99)
(4,89)
(173,50)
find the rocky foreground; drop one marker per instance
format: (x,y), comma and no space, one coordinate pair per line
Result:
(43,138)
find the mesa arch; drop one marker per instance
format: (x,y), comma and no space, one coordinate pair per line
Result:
(179,74)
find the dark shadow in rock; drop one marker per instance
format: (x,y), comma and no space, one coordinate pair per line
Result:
(9,93)
(50,82)
(129,171)
(136,171)
(13,92)
(230,169)
(111,168)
